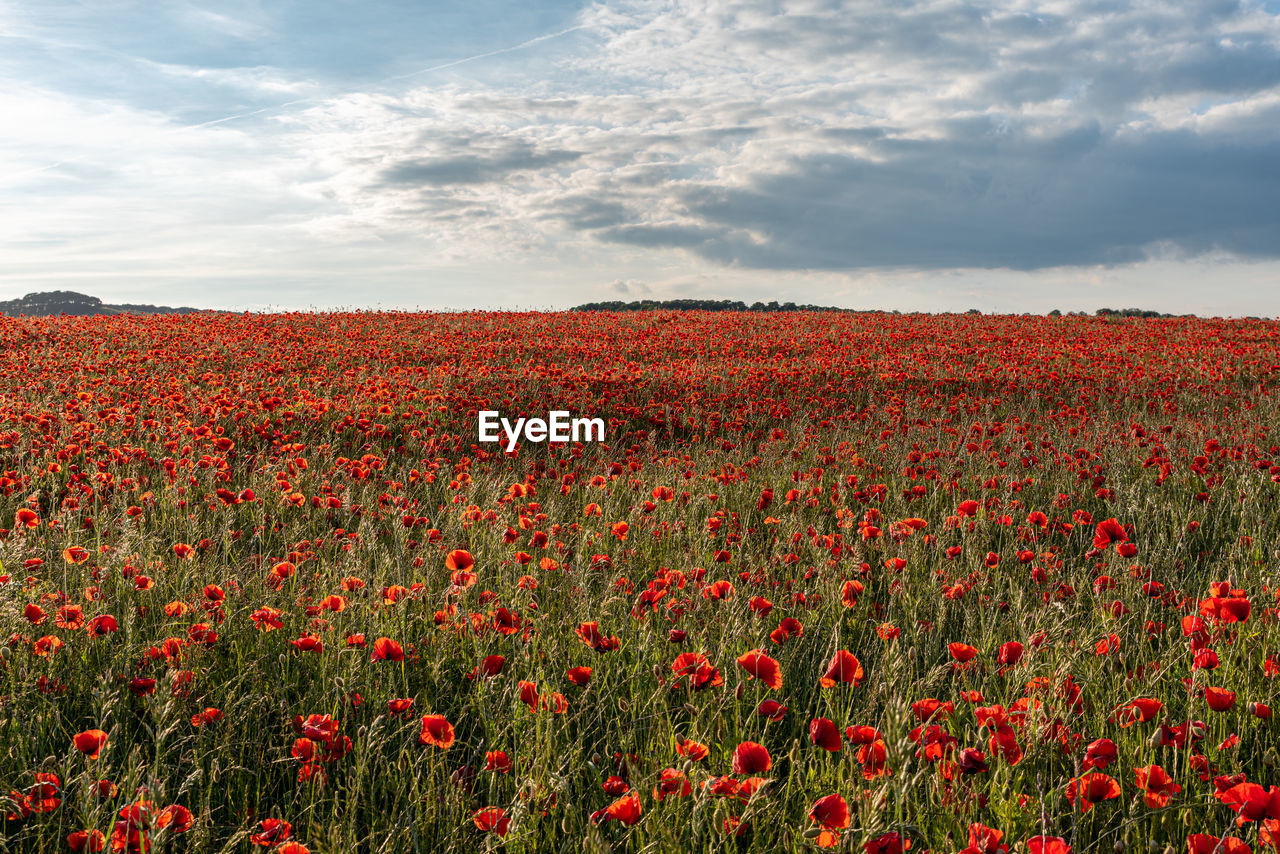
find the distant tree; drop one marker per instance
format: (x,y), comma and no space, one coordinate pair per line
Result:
(699,305)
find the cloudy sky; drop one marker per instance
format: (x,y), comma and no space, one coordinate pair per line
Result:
(1015,155)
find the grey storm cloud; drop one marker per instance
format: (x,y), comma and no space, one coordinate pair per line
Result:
(815,134)
(1082,197)
(473,167)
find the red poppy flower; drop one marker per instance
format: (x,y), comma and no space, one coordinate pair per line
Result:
(874,759)
(1004,743)
(436,732)
(497,761)
(1219,699)
(175,817)
(1009,654)
(701,673)
(1142,709)
(1157,784)
(789,628)
(1099,754)
(103,624)
(625,809)
(1092,788)
(1203,843)
(862,734)
(695,750)
(831,813)
(844,668)
(972,761)
(529,694)
(825,734)
(766,669)
(672,783)
(579,676)
(87,840)
(1226,609)
(771,709)
(75,554)
(1107,532)
(888,843)
(1252,802)
(929,708)
(90,742)
(47,646)
(589,634)
(984,840)
(385,649)
(1048,845)
(718,591)
(308,643)
(962,652)
(491,820)
(272,831)
(751,758)
(459,560)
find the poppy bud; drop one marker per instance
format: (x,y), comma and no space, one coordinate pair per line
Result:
(738,691)
(1118,846)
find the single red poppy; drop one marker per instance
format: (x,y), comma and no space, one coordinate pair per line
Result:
(491,820)
(1157,784)
(844,668)
(751,758)
(385,649)
(436,732)
(824,734)
(1092,788)
(766,669)
(459,560)
(90,742)
(831,813)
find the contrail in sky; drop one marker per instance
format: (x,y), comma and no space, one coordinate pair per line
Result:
(275,107)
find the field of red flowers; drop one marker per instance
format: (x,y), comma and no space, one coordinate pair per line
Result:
(867,582)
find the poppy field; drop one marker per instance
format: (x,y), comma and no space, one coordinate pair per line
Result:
(863,582)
